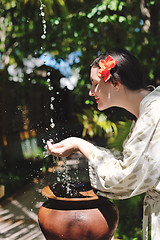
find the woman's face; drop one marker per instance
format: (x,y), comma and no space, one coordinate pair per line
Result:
(105,93)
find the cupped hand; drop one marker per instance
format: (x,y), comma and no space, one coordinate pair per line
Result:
(63,148)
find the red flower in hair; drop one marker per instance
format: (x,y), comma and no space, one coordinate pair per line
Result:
(105,67)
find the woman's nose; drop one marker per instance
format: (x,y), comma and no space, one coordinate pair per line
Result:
(91,92)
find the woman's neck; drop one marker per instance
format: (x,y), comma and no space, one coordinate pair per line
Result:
(132,100)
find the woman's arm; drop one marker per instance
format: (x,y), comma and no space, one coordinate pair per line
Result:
(69,146)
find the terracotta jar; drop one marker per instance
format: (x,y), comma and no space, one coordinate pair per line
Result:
(80,218)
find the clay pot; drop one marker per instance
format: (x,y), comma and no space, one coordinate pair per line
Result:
(87,218)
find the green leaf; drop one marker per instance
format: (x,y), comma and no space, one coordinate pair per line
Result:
(121,19)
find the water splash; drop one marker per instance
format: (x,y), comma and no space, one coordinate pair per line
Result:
(42,13)
(62,172)
(50,87)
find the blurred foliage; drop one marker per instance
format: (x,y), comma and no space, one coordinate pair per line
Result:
(15,177)
(116,141)
(96,124)
(130,218)
(89,26)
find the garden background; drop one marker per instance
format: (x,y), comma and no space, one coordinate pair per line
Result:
(45,51)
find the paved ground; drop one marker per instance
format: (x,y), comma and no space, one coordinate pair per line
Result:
(19,214)
(18,217)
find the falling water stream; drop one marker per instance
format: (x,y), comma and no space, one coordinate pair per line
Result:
(63,176)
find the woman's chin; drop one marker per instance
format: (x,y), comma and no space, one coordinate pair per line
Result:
(101,108)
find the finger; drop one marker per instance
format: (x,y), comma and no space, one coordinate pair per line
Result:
(49,144)
(56,145)
(57,152)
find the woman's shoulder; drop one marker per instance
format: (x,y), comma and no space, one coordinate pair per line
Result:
(151,101)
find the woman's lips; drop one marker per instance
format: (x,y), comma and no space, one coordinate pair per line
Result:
(97,99)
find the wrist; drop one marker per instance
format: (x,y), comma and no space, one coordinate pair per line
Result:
(75,141)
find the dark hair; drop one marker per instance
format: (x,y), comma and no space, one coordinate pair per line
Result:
(128,70)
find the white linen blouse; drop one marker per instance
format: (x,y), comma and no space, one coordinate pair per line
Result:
(137,170)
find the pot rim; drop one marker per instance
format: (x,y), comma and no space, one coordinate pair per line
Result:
(89,195)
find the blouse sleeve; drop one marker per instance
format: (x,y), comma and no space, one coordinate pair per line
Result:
(139,169)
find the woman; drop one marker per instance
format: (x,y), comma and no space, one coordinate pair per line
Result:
(117,81)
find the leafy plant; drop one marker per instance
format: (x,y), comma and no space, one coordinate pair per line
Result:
(96,124)
(130,224)
(117,140)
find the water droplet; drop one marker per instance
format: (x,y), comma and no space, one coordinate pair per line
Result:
(43,36)
(52,125)
(42,14)
(52,99)
(50,88)
(51,106)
